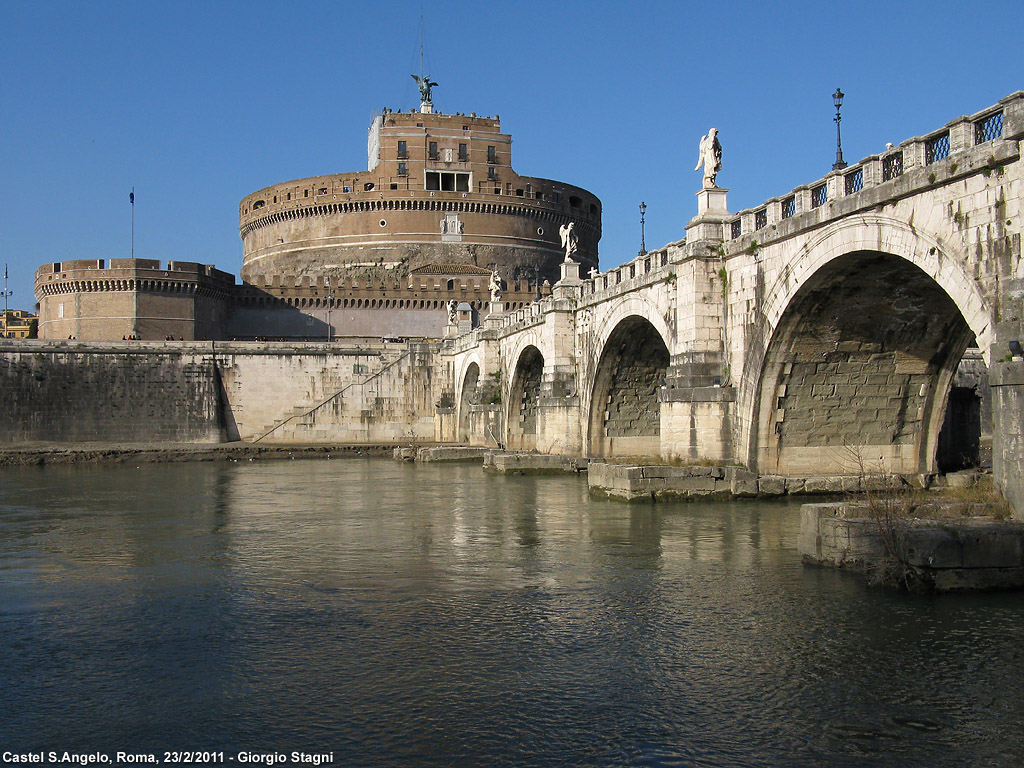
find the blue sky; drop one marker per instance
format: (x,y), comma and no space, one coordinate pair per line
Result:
(198,104)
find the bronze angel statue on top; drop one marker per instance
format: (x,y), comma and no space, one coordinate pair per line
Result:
(424,84)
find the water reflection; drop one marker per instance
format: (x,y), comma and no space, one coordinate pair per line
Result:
(433,615)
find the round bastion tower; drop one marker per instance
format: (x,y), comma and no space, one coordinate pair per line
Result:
(438,190)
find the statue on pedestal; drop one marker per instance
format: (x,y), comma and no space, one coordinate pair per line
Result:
(453,312)
(710,156)
(569,239)
(495,286)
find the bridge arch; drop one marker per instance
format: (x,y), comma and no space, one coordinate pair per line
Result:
(468,397)
(521,416)
(630,305)
(624,411)
(937,258)
(867,325)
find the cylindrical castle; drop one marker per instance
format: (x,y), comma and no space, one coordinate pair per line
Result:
(439,189)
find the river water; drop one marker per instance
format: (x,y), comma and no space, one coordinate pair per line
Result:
(394,614)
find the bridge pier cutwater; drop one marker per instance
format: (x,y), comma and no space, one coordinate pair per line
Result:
(818,333)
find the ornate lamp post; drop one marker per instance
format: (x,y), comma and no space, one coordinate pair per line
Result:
(837,99)
(643,246)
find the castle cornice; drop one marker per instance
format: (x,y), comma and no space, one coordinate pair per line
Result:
(427,201)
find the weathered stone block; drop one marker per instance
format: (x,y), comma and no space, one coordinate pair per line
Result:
(771,485)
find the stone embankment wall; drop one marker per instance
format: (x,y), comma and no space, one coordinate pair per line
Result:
(208,392)
(311,393)
(971,554)
(71,392)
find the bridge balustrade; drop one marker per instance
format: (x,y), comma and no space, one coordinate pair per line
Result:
(960,135)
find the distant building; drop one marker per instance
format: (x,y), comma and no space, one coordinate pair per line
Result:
(17,324)
(362,254)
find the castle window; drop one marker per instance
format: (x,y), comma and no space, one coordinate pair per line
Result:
(789,207)
(346,189)
(519,193)
(275,198)
(556,196)
(403,169)
(574,201)
(492,154)
(593,208)
(463,152)
(450,285)
(447,182)
(368,186)
(394,186)
(432,150)
(497,190)
(323,191)
(403,150)
(289,195)
(305,193)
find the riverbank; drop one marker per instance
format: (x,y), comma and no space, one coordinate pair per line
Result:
(155,453)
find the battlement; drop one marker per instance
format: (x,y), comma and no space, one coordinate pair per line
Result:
(96,275)
(415,118)
(118,267)
(418,291)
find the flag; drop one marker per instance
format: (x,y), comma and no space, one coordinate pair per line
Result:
(131,196)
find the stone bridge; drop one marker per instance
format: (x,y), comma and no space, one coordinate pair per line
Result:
(819,332)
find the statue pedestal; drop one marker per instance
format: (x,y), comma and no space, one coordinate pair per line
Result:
(712,213)
(712,200)
(570,272)
(496,307)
